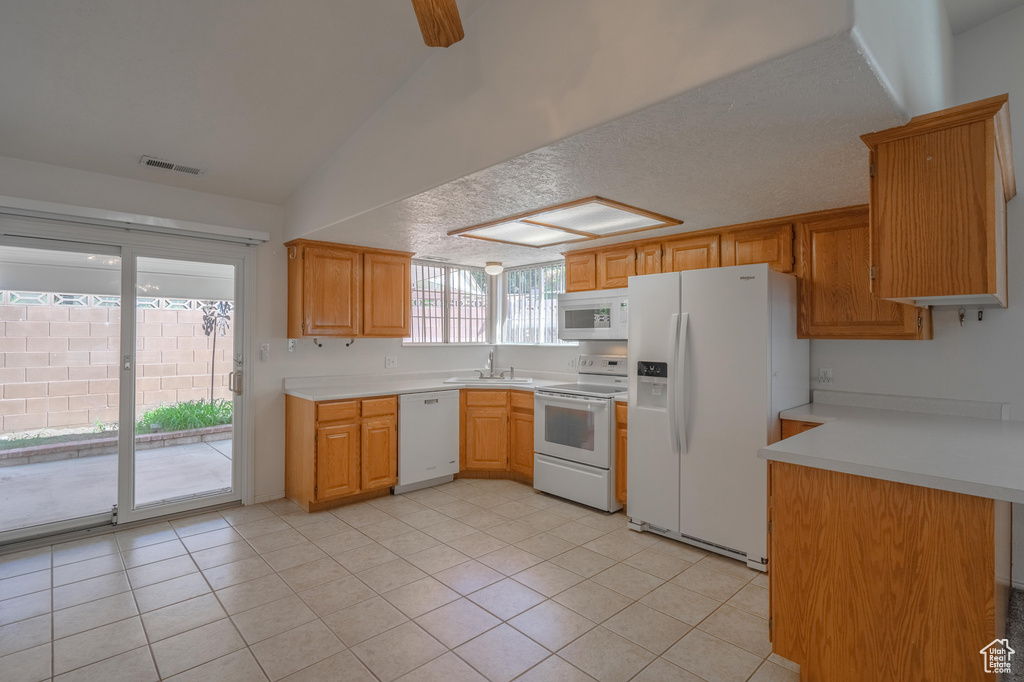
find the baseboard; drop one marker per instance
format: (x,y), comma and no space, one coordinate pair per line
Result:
(1017,584)
(268,497)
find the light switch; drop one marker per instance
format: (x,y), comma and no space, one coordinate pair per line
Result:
(264,352)
(390,361)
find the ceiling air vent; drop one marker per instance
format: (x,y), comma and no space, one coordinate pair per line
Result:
(167,165)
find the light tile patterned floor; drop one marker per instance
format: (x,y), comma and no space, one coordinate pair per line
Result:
(471,580)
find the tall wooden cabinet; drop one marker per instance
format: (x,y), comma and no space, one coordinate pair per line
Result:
(833,254)
(351,291)
(939,187)
(340,448)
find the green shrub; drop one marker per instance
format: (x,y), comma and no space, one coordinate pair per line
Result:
(191,414)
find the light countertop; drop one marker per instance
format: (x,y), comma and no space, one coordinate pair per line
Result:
(363,390)
(970,455)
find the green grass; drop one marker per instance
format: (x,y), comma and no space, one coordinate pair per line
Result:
(192,414)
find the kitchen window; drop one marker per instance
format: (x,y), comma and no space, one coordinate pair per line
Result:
(530,310)
(449,304)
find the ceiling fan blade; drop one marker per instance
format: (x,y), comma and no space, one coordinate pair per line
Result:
(439,22)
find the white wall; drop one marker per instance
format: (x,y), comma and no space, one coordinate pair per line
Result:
(43,182)
(532,72)
(909,45)
(981,360)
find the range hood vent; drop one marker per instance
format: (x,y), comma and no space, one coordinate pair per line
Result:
(154,162)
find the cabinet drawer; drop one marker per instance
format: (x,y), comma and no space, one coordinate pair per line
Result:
(522,400)
(478,398)
(340,411)
(374,407)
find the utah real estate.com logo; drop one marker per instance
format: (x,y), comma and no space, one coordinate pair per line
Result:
(997,656)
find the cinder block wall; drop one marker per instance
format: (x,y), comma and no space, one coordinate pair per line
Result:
(60,366)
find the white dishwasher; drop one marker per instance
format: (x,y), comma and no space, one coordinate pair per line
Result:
(428,439)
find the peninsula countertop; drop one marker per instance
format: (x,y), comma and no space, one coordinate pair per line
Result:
(969,455)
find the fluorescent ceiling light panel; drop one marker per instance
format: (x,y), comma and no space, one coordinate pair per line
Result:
(522,233)
(589,218)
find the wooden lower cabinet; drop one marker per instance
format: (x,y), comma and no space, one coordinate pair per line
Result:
(791,427)
(496,433)
(337,465)
(521,432)
(874,581)
(621,411)
(339,449)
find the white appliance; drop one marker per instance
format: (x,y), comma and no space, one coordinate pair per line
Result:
(589,315)
(713,359)
(428,439)
(573,437)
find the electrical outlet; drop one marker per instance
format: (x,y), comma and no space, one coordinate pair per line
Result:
(264,351)
(572,363)
(825,375)
(291,345)
(390,362)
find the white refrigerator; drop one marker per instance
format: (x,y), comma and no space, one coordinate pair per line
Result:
(713,359)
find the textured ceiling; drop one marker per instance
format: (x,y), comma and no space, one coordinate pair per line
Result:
(966,14)
(779,139)
(257,92)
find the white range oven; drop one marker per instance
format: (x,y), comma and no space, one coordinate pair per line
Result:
(574,451)
(590,315)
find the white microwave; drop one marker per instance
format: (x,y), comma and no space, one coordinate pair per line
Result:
(588,315)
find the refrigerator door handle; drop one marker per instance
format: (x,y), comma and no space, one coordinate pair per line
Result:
(673,345)
(678,390)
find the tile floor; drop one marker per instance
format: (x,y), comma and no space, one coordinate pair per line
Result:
(471,580)
(45,492)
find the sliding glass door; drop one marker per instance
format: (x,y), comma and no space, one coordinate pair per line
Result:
(122,375)
(59,318)
(187,378)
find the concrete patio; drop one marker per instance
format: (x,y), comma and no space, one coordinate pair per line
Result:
(45,492)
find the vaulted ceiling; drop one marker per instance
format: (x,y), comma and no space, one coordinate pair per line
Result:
(256,92)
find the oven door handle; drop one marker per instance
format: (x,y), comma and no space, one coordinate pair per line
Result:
(589,402)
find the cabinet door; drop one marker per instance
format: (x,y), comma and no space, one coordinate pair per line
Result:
(387,295)
(332,280)
(836,302)
(772,244)
(648,259)
(620,452)
(614,266)
(337,460)
(791,427)
(580,272)
(380,452)
(522,442)
(692,253)
(486,437)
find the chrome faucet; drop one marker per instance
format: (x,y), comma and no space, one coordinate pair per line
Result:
(490,363)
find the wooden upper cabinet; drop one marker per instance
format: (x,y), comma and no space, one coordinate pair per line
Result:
(835,297)
(331,283)
(580,272)
(648,259)
(692,253)
(387,294)
(772,244)
(337,460)
(340,290)
(938,206)
(615,266)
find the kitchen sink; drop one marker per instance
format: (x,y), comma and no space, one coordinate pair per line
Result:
(490,381)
